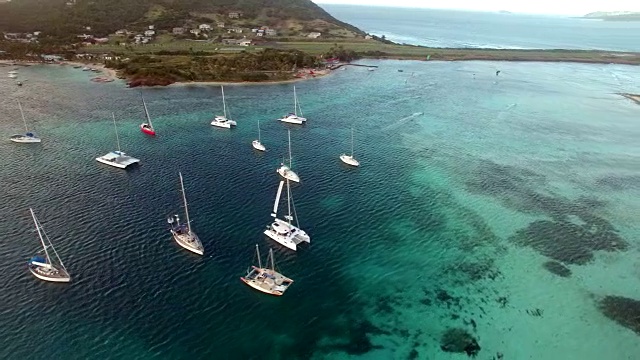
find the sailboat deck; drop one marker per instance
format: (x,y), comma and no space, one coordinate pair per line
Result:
(267,280)
(117,159)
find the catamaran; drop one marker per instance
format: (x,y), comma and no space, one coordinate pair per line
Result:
(267,280)
(284,170)
(283,231)
(117,158)
(27,137)
(293,118)
(256,143)
(222,120)
(182,233)
(147,127)
(349,159)
(49,267)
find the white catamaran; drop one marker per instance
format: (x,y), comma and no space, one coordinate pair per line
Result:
(27,137)
(117,158)
(49,267)
(222,120)
(182,233)
(294,118)
(349,159)
(284,170)
(267,280)
(256,143)
(283,231)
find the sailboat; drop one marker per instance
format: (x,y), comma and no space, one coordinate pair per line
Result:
(49,267)
(349,159)
(13,74)
(222,120)
(256,143)
(147,127)
(182,233)
(28,137)
(283,231)
(293,118)
(267,280)
(117,158)
(284,170)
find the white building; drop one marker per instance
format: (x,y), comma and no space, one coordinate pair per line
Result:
(204,27)
(314,35)
(149,33)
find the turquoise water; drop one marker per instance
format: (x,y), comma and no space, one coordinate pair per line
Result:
(428,234)
(465,29)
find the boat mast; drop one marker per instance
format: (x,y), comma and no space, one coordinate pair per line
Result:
(289,217)
(273,265)
(186,209)
(115,127)
(352,142)
(224,104)
(295,101)
(23,119)
(146,112)
(44,246)
(258,253)
(258,130)
(290,161)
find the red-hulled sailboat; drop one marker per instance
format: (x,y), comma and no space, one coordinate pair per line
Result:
(147,127)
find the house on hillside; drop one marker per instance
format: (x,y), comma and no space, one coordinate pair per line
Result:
(271,32)
(314,35)
(234,30)
(152,27)
(220,25)
(177,31)
(368,37)
(245,42)
(121,32)
(204,27)
(235,14)
(101,40)
(195,32)
(12,36)
(37,33)
(149,33)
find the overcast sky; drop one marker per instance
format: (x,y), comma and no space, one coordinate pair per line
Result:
(560,7)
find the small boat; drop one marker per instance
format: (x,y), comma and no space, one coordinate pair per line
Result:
(47,267)
(147,127)
(13,72)
(349,159)
(283,231)
(284,170)
(77,66)
(19,83)
(117,158)
(222,120)
(96,70)
(256,143)
(400,70)
(267,280)
(182,233)
(86,68)
(293,118)
(371,69)
(13,76)
(28,137)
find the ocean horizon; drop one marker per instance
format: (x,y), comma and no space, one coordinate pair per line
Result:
(496,30)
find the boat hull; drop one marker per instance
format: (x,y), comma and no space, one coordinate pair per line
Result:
(58,279)
(349,160)
(285,236)
(256,286)
(147,131)
(22,139)
(293,120)
(258,146)
(198,249)
(121,162)
(289,174)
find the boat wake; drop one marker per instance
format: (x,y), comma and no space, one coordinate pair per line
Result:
(403,121)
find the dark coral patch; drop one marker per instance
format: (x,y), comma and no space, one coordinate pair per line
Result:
(624,311)
(557,268)
(459,341)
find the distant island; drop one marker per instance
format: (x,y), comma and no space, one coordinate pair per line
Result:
(614,15)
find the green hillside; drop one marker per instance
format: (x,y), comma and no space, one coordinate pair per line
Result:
(62,18)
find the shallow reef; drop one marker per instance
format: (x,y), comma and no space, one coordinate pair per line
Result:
(557,268)
(459,341)
(624,311)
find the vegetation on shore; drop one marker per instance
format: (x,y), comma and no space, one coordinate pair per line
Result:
(267,65)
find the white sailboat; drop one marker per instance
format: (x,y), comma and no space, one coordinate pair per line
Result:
(27,137)
(256,143)
(283,231)
(284,170)
(49,267)
(117,158)
(182,233)
(349,159)
(267,280)
(222,120)
(294,118)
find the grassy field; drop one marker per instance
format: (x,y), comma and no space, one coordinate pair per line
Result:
(373,49)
